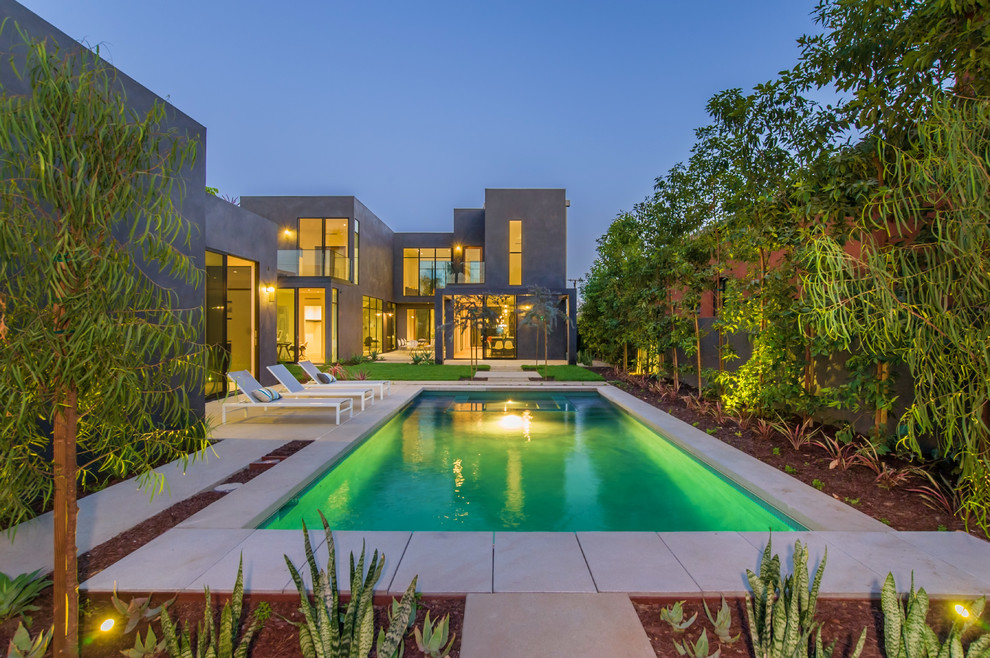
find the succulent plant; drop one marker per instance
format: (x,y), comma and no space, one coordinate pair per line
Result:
(722,622)
(22,645)
(146,647)
(697,650)
(16,594)
(433,637)
(230,639)
(674,615)
(137,609)
(324,631)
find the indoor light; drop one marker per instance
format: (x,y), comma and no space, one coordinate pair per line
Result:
(106,625)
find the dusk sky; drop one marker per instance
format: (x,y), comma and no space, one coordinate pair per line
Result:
(416,108)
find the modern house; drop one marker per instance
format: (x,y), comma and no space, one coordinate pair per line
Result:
(324,278)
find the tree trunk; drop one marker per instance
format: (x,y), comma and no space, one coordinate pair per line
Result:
(625,356)
(546,357)
(880,416)
(697,345)
(65,591)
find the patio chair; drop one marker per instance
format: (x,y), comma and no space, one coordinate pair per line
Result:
(384,386)
(259,397)
(296,390)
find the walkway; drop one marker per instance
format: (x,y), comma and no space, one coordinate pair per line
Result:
(517,584)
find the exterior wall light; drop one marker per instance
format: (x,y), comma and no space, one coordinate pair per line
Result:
(270,289)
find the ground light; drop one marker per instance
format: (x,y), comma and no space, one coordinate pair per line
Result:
(962,611)
(107,625)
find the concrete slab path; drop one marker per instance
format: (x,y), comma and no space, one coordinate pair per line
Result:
(105,514)
(552,626)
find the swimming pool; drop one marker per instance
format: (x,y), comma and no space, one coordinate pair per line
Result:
(534,461)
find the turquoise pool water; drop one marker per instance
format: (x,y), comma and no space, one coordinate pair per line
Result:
(524,462)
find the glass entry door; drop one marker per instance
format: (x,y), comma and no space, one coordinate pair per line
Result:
(231,319)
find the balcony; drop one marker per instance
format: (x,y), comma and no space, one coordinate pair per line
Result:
(471,272)
(446,276)
(313,262)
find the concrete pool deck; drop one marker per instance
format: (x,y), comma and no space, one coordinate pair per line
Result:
(204,550)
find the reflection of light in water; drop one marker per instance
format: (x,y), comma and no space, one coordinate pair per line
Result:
(458,476)
(512,514)
(511,422)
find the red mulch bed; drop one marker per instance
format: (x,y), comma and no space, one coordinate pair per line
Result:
(842,620)
(897,507)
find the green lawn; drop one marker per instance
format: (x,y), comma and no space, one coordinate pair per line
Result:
(568,373)
(400,371)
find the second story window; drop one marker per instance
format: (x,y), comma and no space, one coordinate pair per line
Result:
(515,252)
(424,270)
(323,249)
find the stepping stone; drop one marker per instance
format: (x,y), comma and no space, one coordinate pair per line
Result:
(552,626)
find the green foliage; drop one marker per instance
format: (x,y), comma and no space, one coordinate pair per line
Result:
(722,622)
(697,650)
(136,610)
(566,373)
(148,646)
(422,355)
(790,470)
(22,645)
(229,638)
(326,632)
(16,594)
(781,610)
(542,311)
(432,640)
(409,372)
(88,233)
(674,615)
(818,484)
(906,633)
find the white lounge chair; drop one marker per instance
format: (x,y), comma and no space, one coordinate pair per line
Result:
(249,387)
(296,390)
(384,386)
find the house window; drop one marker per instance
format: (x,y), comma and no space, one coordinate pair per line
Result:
(357,240)
(515,252)
(424,270)
(322,244)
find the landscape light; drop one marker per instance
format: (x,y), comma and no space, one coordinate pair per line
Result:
(962,611)
(511,422)
(107,625)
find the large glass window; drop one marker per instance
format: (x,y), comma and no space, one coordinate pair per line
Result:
(425,270)
(334,356)
(515,252)
(497,339)
(357,241)
(372,324)
(231,298)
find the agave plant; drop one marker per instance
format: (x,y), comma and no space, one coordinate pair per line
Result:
(722,622)
(324,631)
(136,610)
(697,650)
(22,645)
(16,594)
(432,640)
(674,615)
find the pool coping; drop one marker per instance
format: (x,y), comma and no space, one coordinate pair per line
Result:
(201,550)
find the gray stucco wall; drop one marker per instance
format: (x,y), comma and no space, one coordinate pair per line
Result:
(375,256)
(190,202)
(469,227)
(238,232)
(544,234)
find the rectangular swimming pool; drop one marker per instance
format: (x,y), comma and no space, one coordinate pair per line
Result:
(533,461)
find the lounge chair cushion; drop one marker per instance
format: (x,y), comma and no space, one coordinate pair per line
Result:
(266,395)
(326,379)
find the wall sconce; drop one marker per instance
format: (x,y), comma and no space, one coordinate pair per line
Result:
(287,232)
(457,247)
(270,289)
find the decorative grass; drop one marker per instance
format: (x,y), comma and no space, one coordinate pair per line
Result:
(567,373)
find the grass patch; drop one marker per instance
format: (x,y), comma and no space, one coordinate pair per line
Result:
(567,373)
(398,371)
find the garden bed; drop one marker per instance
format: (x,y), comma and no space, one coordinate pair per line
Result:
(896,506)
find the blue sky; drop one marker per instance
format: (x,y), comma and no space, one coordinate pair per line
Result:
(416,108)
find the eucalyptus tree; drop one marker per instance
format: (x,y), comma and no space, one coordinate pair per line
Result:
(95,357)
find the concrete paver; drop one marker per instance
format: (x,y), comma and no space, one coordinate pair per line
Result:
(446,562)
(170,562)
(540,562)
(634,562)
(552,626)
(963,551)
(717,561)
(105,514)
